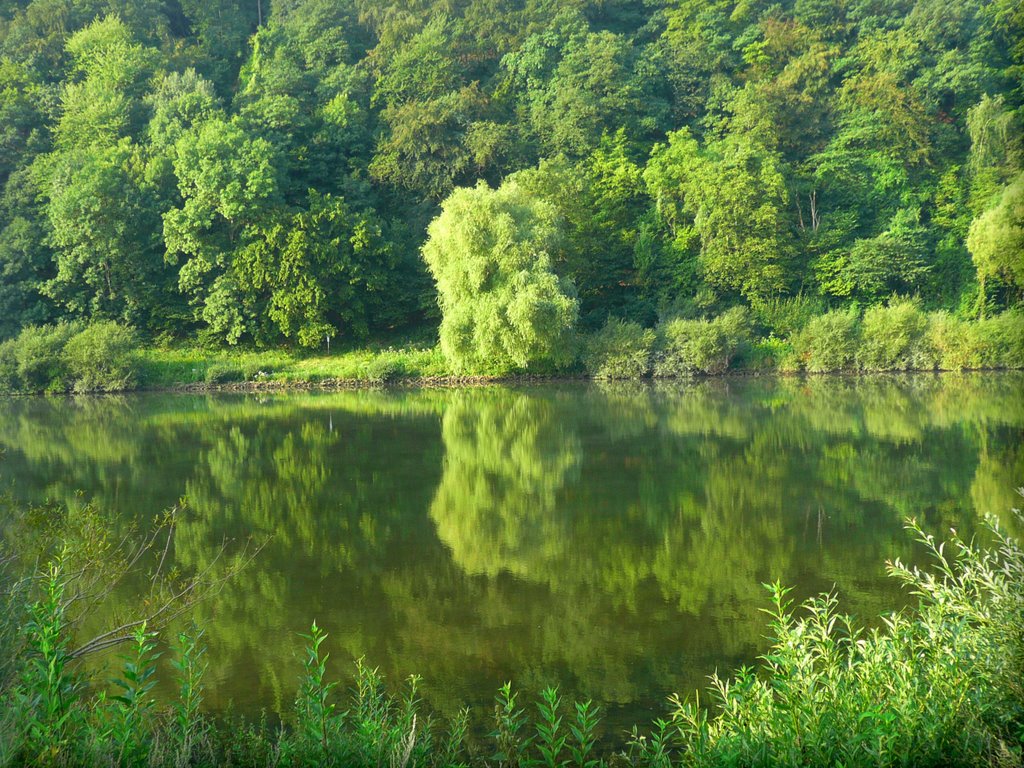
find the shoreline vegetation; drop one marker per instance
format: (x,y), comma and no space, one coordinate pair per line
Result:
(105,356)
(937,684)
(192,197)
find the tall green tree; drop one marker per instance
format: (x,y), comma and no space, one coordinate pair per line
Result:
(228,183)
(503,307)
(727,201)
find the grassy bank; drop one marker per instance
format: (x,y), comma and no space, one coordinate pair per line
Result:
(901,336)
(940,685)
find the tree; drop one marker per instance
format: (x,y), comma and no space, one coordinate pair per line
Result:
(228,182)
(873,268)
(26,262)
(996,239)
(325,270)
(102,215)
(729,198)
(105,233)
(575,85)
(602,201)
(104,103)
(503,307)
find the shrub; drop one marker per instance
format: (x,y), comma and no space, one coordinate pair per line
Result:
(1000,340)
(224,373)
(995,342)
(938,687)
(788,316)
(688,347)
(953,341)
(101,358)
(620,350)
(769,354)
(383,368)
(828,342)
(39,351)
(8,366)
(895,338)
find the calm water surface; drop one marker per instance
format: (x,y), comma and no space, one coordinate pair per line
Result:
(612,539)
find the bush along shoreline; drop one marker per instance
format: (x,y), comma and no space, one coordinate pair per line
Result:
(939,685)
(899,337)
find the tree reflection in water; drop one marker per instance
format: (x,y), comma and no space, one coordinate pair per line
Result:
(612,539)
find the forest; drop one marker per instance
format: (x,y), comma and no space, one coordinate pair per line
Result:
(517,175)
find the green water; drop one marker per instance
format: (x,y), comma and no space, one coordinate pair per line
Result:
(610,539)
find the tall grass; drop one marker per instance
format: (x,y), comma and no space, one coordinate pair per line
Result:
(939,685)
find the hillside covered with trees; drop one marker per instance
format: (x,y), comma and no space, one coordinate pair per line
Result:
(269,172)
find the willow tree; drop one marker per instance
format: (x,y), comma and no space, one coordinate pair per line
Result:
(503,307)
(996,238)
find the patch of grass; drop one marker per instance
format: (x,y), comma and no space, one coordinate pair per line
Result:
(369,365)
(161,368)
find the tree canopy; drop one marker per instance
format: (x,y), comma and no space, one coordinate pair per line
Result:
(267,173)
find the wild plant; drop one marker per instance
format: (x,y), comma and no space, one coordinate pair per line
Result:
(653,750)
(189,727)
(131,718)
(584,734)
(937,686)
(452,752)
(511,744)
(386,730)
(549,739)
(314,709)
(48,692)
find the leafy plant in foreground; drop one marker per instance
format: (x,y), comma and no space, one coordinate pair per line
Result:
(314,710)
(190,666)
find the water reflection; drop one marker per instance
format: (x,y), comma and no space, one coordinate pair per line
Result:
(611,538)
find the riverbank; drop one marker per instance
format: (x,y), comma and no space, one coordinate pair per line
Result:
(900,337)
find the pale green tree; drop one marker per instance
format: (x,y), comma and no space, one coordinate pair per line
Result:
(503,307)
(996,238)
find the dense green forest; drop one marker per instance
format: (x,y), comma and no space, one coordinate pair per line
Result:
(270,172)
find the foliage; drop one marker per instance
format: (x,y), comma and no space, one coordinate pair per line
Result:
(937,684)
(8,366)
(266,173)
(994,342)
(819,702)
(39,352)
(829,342)
(1001,340)
(687,347)
(101,357)
(620,350)
(729,197)
(503,307)
(785,317)
(894,338)
(98,357)
(996,237)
